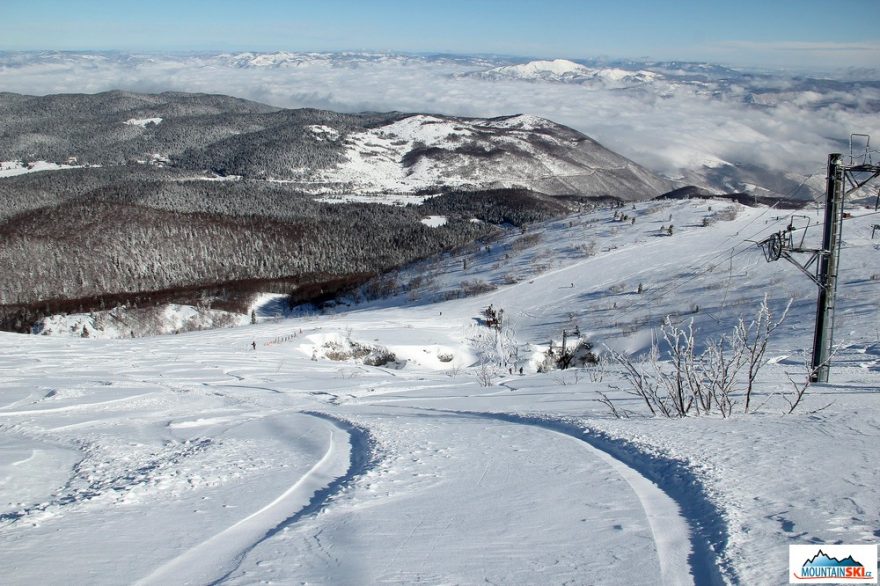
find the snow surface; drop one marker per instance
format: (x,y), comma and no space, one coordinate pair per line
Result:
(195,458)
(323,132)
(391,199)
(434,221)
(142,122)
(13,168)
(375,160)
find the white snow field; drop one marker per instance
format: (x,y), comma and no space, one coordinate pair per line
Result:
(196,459)
(13,168)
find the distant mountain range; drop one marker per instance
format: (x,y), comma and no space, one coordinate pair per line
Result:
(316,151)
(113,195)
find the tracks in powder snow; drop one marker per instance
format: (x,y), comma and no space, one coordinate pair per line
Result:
(687,528)
(349,453)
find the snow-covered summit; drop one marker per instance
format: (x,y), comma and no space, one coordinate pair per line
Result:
(614,74)
(543,69)
(423,151)
(565,71)
(520,122)
(554,70)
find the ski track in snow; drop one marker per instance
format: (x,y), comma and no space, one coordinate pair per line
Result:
(414,502)
(361,458)
(685,525)
(213,560)
(76,407)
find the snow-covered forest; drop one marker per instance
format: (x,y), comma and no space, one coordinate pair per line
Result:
(88,248)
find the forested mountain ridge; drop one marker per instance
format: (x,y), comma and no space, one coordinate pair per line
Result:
(316,150)
(173,192)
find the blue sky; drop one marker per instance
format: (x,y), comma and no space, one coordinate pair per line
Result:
(800,33)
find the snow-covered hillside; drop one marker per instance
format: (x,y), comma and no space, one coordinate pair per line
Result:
(13,168)
(424,152)
(388,441)
(318,152)
(564,71)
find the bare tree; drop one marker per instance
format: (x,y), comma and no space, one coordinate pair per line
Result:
(454,370)
(800,388)
(641,382)
(485,374)
(618,413)
(753,338)
(597,371)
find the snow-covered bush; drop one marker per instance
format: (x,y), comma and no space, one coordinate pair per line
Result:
(527,241)
(380,356)
(578,354)
(587,248)
(347,349)
(692,383)
(485,374)
(476,287)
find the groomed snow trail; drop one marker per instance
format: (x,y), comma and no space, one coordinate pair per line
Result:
(217,556)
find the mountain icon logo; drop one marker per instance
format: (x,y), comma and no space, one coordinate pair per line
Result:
(822,559)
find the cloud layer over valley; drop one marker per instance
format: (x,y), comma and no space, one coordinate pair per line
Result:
(683,120)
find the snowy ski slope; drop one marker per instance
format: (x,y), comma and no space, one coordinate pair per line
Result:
(196,459)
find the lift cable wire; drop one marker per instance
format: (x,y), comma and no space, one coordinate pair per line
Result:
(710,262)
(728,253)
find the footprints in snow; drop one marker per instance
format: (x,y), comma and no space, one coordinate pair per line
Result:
(102,477)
